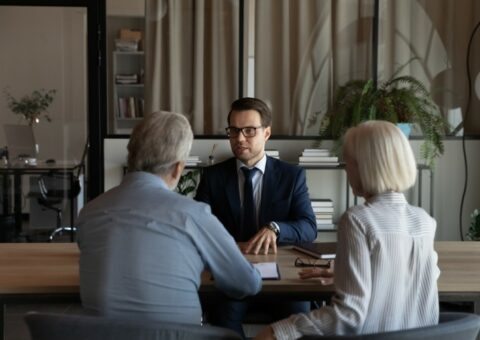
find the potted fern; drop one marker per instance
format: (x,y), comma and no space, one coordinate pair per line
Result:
(31,107)
(401,99)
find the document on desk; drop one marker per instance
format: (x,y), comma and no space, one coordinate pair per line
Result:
(268,270)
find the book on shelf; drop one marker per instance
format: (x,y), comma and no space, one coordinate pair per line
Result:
(130,107)
(318,164)
(126,78)
(319,159)
(317,210)
(273,153)
(316,152)
(321,227)
(323,215)
(320,250)
(324,220)
(193,161)
(321,202)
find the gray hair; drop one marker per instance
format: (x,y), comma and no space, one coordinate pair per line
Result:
(159,141)
(384,156)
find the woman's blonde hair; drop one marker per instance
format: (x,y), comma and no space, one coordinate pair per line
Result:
(384,156)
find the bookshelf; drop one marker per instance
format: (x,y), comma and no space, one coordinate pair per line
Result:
(126,69)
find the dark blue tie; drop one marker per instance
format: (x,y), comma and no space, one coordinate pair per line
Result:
(249,209)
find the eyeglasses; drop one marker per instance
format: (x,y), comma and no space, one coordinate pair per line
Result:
(247,132)
(301,262)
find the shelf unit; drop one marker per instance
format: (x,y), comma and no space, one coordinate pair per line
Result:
(419,187)
(124,62)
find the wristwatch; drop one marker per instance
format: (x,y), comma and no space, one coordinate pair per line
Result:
(274,228)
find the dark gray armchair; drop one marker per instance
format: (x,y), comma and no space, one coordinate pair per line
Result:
(45,326)
(452,326)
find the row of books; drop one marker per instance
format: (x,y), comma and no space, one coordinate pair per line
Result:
(131,107)
(127,78)
(323,210)
(319,157)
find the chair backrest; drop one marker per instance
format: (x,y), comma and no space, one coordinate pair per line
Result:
(451,326)
(45,326)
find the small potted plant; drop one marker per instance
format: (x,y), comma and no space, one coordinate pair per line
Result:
(188,182)
(32,107)
(400,99)
(474,230)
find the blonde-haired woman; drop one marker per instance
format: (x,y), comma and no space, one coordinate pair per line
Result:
(386,267)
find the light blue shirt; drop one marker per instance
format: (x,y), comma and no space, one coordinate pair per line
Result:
(143,249)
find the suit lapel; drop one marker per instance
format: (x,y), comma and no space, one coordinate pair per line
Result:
(270,180)
(233,196)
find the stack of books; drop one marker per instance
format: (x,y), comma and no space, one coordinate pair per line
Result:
(273,153)
(193,161)
(318,157)
(323,210)
(126,78)
(126,45)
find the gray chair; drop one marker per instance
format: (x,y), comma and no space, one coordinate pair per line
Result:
(46,326)
(457,326)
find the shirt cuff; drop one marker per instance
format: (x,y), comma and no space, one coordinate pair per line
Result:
(285,329)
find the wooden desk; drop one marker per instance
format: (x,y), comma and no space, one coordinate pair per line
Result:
(49,272)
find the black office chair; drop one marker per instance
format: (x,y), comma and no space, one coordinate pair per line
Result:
(52,198)
(45,326)
(458,326)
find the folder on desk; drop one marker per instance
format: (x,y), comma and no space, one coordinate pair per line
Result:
(268,270)
(320,250)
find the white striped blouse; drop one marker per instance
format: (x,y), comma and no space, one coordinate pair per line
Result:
(385,273)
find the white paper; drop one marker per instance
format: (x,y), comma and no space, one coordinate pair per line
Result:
(268,270)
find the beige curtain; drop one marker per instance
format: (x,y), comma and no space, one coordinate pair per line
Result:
(436,34)
(305,49)
(192,60)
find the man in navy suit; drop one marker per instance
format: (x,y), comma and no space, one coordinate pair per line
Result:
(279,211)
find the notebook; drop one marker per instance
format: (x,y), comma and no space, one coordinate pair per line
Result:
(20,141)
(320,250)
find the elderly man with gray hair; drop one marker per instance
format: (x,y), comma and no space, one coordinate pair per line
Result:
(143,247)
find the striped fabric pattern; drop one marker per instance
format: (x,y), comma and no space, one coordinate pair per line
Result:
(385,273)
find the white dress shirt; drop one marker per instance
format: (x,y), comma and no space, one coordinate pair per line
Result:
(385,273)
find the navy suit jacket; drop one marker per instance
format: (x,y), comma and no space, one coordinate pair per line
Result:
(284,199)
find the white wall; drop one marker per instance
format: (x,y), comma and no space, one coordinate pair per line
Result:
(448,177)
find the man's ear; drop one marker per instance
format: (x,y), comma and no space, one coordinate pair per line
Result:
(267,132)
(178,169)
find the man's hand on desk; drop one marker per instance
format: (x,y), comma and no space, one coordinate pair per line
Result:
(264,239)
(326,275)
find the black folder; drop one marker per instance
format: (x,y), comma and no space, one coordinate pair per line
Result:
(320,250)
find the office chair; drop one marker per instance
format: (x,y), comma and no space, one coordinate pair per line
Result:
(50,198)
(45,326)
(458,326)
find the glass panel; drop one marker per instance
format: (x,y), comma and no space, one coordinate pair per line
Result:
(45,48)
(43,83)
(192,60)
(434,35)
